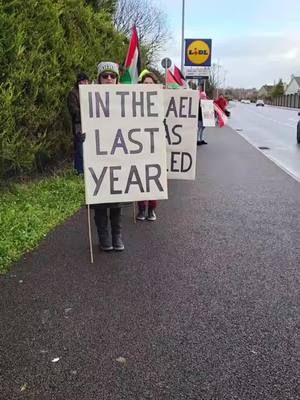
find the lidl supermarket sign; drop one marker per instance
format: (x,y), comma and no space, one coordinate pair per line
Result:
(197,52)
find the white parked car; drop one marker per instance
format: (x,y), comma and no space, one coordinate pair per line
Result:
(260,103)
(245,101)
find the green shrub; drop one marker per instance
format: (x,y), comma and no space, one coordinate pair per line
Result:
(43,45)
(29,211)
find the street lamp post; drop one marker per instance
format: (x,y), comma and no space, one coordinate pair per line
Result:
(218,77)
(225,73)
(182,35)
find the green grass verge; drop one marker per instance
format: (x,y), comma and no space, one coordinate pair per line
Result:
(29,211)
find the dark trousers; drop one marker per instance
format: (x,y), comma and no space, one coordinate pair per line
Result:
(78,155)
(101,220)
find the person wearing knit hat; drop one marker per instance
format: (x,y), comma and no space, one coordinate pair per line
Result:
(144,72)
(108,71)
(147,77)
(108,74)
(82,78)
(74,109)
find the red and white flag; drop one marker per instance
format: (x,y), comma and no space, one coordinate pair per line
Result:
(222,119)
(133,60)
(180,78)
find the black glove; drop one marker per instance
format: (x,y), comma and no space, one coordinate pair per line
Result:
(80,136)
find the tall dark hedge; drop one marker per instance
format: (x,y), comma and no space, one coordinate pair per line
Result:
(43,45)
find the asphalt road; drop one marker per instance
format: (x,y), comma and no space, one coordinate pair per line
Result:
(271,127)
(202,304)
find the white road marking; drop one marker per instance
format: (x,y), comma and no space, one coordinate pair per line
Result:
(269,156)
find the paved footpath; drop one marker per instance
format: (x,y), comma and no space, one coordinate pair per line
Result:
(203,304)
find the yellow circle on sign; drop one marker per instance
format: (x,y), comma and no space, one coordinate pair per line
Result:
(198,52)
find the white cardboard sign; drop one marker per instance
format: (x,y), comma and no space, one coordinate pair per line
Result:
(208,112)
(181,121)
(124,150)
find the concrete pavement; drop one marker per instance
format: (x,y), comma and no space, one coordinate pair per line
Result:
(203,303)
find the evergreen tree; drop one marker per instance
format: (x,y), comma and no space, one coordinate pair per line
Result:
(278,89)
(103,5)
(42,48)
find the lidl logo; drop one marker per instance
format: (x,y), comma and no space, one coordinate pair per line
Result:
(197,52)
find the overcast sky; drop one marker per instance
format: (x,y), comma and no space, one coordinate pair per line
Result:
(256,42)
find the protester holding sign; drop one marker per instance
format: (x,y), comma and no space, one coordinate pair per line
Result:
(147,77)
(222,103)
(181,117)
(74,109)
(200,131)
(108,74)
(124,150)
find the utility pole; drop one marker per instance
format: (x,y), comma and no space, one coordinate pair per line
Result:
(182,36)
(225,73)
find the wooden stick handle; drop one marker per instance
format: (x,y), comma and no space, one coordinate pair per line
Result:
(90,234)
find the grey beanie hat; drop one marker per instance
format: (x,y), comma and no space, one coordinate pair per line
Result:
(107,66)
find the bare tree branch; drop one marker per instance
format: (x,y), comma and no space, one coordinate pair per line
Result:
(150,23)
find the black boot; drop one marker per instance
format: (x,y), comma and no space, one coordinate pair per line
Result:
(151,215)
(141,214)
(116,227)
(101,221)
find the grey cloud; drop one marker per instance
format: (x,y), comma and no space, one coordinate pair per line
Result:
(256,46)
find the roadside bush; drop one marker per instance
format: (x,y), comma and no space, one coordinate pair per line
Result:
(42,47)
(29,211)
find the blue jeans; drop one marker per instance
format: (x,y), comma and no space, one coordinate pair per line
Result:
(200,131)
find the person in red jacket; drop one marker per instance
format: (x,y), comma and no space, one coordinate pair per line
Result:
(221,102)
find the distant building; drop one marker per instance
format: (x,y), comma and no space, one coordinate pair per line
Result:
(294,86)
(251,94)
(265,91)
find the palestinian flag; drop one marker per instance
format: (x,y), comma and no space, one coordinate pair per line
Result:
(221,117)
(171,81)
(180,78)
(133,61)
